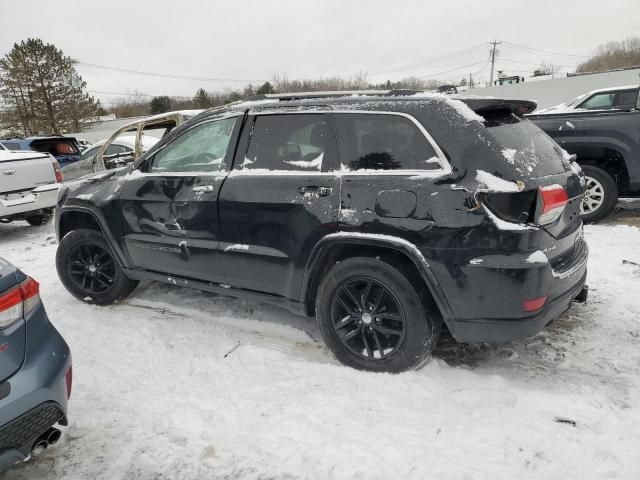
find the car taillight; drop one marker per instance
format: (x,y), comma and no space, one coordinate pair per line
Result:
(551,203)
(69,379)
(57,171)
(534,304)
(18,302)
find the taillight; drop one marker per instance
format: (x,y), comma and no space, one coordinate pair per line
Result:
(57,171)
(18,302)
(534,304)
(551,203)
(69,379)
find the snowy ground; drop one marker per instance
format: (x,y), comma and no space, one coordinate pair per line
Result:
(176,383)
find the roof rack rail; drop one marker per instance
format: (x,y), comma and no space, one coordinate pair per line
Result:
(338,93)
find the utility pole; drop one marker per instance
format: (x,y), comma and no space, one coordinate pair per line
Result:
(493,58)
(470,81)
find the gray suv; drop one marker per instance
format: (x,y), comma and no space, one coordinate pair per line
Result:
(35,370)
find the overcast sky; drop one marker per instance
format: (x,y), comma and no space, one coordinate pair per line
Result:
(250,41)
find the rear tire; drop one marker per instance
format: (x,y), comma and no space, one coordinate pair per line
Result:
(393,333)
(601,195)
(39,220)
(89,270)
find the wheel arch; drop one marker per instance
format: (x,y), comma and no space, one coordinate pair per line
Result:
(612,158)
(336,247)
(77,217)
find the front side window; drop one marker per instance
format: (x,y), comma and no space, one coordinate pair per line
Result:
(383,142)
(200,149)
(287,142)
(600,101)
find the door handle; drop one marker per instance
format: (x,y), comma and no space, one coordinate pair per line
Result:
(203,188)
(321,191)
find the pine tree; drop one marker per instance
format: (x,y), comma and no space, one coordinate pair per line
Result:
(265,88)
(160,104)
(41,90)
(202,99)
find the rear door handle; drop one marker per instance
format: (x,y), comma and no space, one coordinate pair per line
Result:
(203,188)
(321,191)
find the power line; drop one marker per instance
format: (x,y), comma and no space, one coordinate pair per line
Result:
(165,75)
(452,70)
(137,94)
(529,63)
(522,47)
(433,60)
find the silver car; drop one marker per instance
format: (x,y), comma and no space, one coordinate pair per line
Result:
(35,370)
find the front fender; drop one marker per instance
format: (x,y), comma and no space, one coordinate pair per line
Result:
(61,212)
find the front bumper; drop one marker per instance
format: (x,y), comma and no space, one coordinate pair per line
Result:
(40,198)
(37,393)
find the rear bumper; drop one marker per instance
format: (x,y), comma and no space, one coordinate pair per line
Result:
(505,330)
(495,288)
(37,395)
(40,198)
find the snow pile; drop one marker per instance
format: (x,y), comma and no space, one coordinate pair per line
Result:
(510,155)
(176,383)
(459,106)
(495,184)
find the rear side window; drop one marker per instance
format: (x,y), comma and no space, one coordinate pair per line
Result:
(115,149)
(383,142)
(287,142)
(56,147)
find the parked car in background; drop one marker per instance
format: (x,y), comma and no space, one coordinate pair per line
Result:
(144,131)
(29,184)
(614,98)
(382,215)
(121,149)
(64,149)
(602,130)
(35,370)
(83,144)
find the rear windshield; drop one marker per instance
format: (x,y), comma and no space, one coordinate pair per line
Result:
(56,147)
(524,146)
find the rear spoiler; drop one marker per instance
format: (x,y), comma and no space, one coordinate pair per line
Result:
(480,105)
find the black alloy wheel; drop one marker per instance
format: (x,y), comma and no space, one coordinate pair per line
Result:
(91,268)
(367,318)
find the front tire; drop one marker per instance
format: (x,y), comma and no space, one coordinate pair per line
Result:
(372,317)
(89,269)
(601,194)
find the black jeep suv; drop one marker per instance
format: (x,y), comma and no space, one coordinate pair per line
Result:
(381,214)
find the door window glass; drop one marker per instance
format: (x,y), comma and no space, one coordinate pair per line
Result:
(383,142)
(601,101)
(199,149)
(287,142)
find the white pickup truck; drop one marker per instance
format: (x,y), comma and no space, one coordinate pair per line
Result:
(29,183)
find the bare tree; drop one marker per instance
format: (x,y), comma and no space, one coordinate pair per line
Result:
(611,55)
